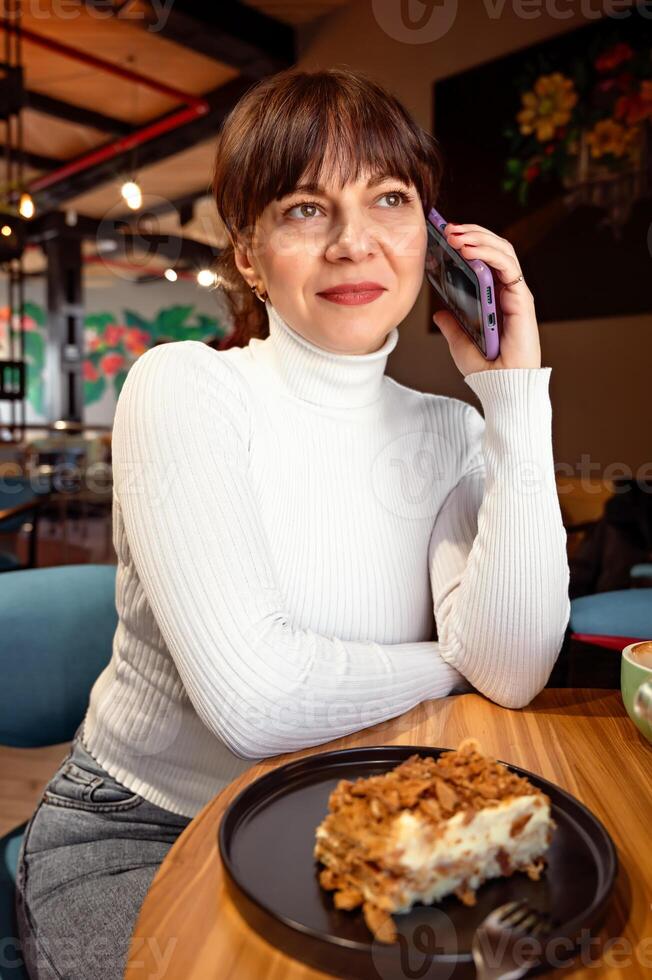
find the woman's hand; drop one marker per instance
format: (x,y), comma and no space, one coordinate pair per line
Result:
(519,340)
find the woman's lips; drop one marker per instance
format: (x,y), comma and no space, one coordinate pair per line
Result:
(353,299)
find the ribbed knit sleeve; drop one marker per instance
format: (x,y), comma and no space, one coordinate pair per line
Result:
(497,554)
(264,686)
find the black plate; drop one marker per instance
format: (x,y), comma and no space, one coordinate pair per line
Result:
(266,838)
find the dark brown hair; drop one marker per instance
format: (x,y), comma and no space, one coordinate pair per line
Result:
(308,124)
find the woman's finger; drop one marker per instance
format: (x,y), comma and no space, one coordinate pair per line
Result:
(505,263)
(455,229)
(482,237)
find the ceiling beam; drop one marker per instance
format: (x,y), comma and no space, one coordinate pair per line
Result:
(176,248)
(37,161)
(75,114)
(232,33)
(221,100)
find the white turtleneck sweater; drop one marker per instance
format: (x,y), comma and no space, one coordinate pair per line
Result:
(293,529)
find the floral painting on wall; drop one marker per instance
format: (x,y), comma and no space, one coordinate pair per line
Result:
(559,162)
(112,344)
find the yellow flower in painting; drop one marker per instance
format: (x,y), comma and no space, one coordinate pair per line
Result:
(608,136)
(547,106)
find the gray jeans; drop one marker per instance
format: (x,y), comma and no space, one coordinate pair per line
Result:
(89,854)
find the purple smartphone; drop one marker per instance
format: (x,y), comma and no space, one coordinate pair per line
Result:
(465,286)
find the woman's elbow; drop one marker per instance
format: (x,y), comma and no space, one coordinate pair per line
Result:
(240,723)
(249,744)
(255,728)
(250,751)
(523,681)
(515,699)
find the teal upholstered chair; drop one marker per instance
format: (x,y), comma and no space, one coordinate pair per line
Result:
(612,619)
(20,503)
(57,626)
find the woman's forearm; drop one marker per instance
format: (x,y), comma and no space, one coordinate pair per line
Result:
(497,555)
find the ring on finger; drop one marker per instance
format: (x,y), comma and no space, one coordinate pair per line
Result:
(513,282)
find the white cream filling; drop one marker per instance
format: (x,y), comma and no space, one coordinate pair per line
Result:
(461,853)
(468,853)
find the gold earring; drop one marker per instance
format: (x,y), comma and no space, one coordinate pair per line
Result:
(257,294)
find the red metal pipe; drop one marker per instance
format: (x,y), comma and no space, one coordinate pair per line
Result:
(102,65)
(117,146)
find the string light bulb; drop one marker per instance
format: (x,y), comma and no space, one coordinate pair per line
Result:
(132,194)
(26,205)
(206,278)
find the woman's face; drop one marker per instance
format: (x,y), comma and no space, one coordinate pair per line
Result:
(315,239)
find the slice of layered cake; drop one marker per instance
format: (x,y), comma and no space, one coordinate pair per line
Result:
(426,829)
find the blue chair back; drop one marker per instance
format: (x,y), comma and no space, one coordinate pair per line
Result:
(621,613)
(57,626)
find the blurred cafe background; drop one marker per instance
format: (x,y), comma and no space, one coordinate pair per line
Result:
(109,239)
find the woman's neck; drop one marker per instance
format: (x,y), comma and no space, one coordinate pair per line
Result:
(319,376)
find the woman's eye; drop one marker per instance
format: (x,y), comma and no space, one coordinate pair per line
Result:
(301,204)
(401,195)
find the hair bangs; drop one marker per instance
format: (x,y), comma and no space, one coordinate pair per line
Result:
(318,128)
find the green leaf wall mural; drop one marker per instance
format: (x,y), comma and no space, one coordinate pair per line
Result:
(112,344)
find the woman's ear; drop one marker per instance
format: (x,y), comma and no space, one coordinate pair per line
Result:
(242,259)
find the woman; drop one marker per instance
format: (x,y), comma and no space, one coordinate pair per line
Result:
(291,525)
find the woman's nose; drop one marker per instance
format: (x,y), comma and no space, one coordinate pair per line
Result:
(354,239)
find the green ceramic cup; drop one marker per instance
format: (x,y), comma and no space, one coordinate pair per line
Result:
(636,685)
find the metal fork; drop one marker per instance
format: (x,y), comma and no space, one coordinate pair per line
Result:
(495,946)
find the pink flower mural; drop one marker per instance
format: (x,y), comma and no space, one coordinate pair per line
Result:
(112,344)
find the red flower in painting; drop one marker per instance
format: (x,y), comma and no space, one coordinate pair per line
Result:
(633,109)
(111,364)
(137,341)
(90,371)
(112,334)
(614,56)
(28,323)
(532,171)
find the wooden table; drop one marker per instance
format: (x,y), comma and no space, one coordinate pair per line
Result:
(580,739)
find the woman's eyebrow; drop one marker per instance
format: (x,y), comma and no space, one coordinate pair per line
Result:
(313,188)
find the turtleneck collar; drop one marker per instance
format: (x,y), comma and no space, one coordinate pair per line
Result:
(320,376)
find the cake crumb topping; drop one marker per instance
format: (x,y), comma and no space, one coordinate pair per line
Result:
(462,780)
